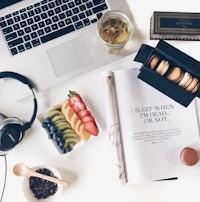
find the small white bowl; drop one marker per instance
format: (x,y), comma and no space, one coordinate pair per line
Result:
(29,194)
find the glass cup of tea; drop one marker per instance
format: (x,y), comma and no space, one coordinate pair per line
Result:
(114,28)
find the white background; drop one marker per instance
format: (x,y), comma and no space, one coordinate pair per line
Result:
(90,168)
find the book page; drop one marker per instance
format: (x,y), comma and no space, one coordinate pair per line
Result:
(154,130)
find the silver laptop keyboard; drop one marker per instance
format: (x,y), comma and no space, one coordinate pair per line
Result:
(46,20)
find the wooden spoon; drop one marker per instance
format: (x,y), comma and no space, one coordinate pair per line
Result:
(21,169)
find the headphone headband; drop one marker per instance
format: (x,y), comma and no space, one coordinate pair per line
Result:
(24,80)
(14,75)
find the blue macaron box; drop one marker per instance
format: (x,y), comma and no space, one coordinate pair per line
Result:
(182,87)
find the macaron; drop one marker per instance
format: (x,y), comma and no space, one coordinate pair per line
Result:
(189,156)
(195,89)
(193,86)
(153,61)
(175,74)
(185,80)
(189,81)
(162,67)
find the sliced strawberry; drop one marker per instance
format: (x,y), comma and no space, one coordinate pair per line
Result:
(76,102)
(91,127)
(87,118)
(71,103)
(76,97)
(77,107)
(80,108)
(84,112)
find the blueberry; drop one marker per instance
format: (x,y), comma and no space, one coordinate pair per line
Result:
(54,136)
(60,143)
(49,126)
(52,128)
(62,150)
(67,149)
(48,120)
(46,123)
(58,138)
(59,133)
(50,135)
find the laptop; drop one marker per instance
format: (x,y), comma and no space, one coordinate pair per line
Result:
(38,40)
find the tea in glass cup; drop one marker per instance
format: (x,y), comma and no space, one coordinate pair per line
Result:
(115,28)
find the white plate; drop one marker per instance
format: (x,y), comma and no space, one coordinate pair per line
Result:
(29,194)
(42,116)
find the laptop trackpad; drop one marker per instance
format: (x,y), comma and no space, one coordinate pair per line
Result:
(70,57)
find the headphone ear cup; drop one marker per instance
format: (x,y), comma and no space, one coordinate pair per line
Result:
(11,133)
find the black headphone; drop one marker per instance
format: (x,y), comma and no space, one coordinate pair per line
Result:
(12,129)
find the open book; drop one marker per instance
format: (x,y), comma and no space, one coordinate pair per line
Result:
(148,129)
